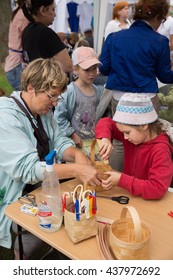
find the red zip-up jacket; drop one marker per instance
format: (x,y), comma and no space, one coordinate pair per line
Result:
(148,167)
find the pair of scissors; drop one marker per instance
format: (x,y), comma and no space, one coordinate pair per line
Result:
(79,200)
(122,199)
(28,199)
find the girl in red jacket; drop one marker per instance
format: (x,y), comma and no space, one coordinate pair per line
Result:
(148,165)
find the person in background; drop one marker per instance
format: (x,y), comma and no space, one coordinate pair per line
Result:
(28,133)
(38,40)
(133,63)
(148,165)
(73,39)
(76,114)
(119,18)
(14,60)
(166,29)
(71,42)
(83,43)
(88,36)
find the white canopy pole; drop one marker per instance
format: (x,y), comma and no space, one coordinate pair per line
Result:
(100,12)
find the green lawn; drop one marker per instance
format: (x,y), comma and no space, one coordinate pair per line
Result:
(4,85)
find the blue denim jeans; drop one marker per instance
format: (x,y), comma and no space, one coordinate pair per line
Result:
(13,77)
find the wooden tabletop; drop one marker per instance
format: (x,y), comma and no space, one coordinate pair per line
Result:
(153,213)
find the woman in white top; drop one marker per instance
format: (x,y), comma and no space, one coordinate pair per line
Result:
(120,19)
(166,28)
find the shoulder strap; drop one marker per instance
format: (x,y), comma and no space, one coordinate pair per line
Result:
(39,133)
(24,110)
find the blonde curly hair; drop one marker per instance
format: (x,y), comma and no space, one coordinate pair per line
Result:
(43,75)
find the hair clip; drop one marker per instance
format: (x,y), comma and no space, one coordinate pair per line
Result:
(147,9)
(140,11)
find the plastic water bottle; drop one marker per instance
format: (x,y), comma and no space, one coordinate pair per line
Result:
(50,203)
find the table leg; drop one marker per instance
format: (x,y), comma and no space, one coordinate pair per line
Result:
(19,234)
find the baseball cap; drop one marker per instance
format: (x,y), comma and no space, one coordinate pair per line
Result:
(85,57)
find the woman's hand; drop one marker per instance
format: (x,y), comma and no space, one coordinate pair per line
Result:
(112,181)
(105,148)
(89,175)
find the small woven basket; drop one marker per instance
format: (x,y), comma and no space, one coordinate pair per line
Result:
(101,166)
(79,230)
(129,238)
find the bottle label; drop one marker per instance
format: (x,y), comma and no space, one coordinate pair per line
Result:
(45,225)
(44,214)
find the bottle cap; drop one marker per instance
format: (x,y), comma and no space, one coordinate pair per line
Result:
(50,160)
(50,157)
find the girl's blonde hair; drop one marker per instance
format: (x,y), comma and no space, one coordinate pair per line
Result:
(158,127)
(44,74)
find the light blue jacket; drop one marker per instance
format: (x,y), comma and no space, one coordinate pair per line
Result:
(19,161)
(64,110)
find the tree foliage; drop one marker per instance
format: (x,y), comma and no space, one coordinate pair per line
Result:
(5,15)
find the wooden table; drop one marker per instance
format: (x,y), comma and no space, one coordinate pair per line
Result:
(153,213)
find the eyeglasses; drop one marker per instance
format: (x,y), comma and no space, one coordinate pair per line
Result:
(57,98)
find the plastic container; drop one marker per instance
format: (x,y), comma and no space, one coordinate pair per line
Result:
(50,203)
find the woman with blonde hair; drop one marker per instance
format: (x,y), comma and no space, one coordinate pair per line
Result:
(28,133)
(120,19)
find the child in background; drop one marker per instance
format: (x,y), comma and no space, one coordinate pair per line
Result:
(76,114)
(148,165)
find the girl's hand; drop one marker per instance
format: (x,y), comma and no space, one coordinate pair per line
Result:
(77,140)
(112,181)
(105,148)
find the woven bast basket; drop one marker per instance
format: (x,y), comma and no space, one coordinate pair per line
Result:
(79,230)
(101,166)
(129,238)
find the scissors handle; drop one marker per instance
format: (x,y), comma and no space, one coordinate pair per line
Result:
(121,199)
(29,199)
(76,194)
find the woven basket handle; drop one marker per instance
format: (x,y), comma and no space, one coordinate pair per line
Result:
(92,152)
(136,221)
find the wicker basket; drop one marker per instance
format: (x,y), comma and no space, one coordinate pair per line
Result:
(129,238)
(79,230)
(101,166)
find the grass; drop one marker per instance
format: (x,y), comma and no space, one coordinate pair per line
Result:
(4,85)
